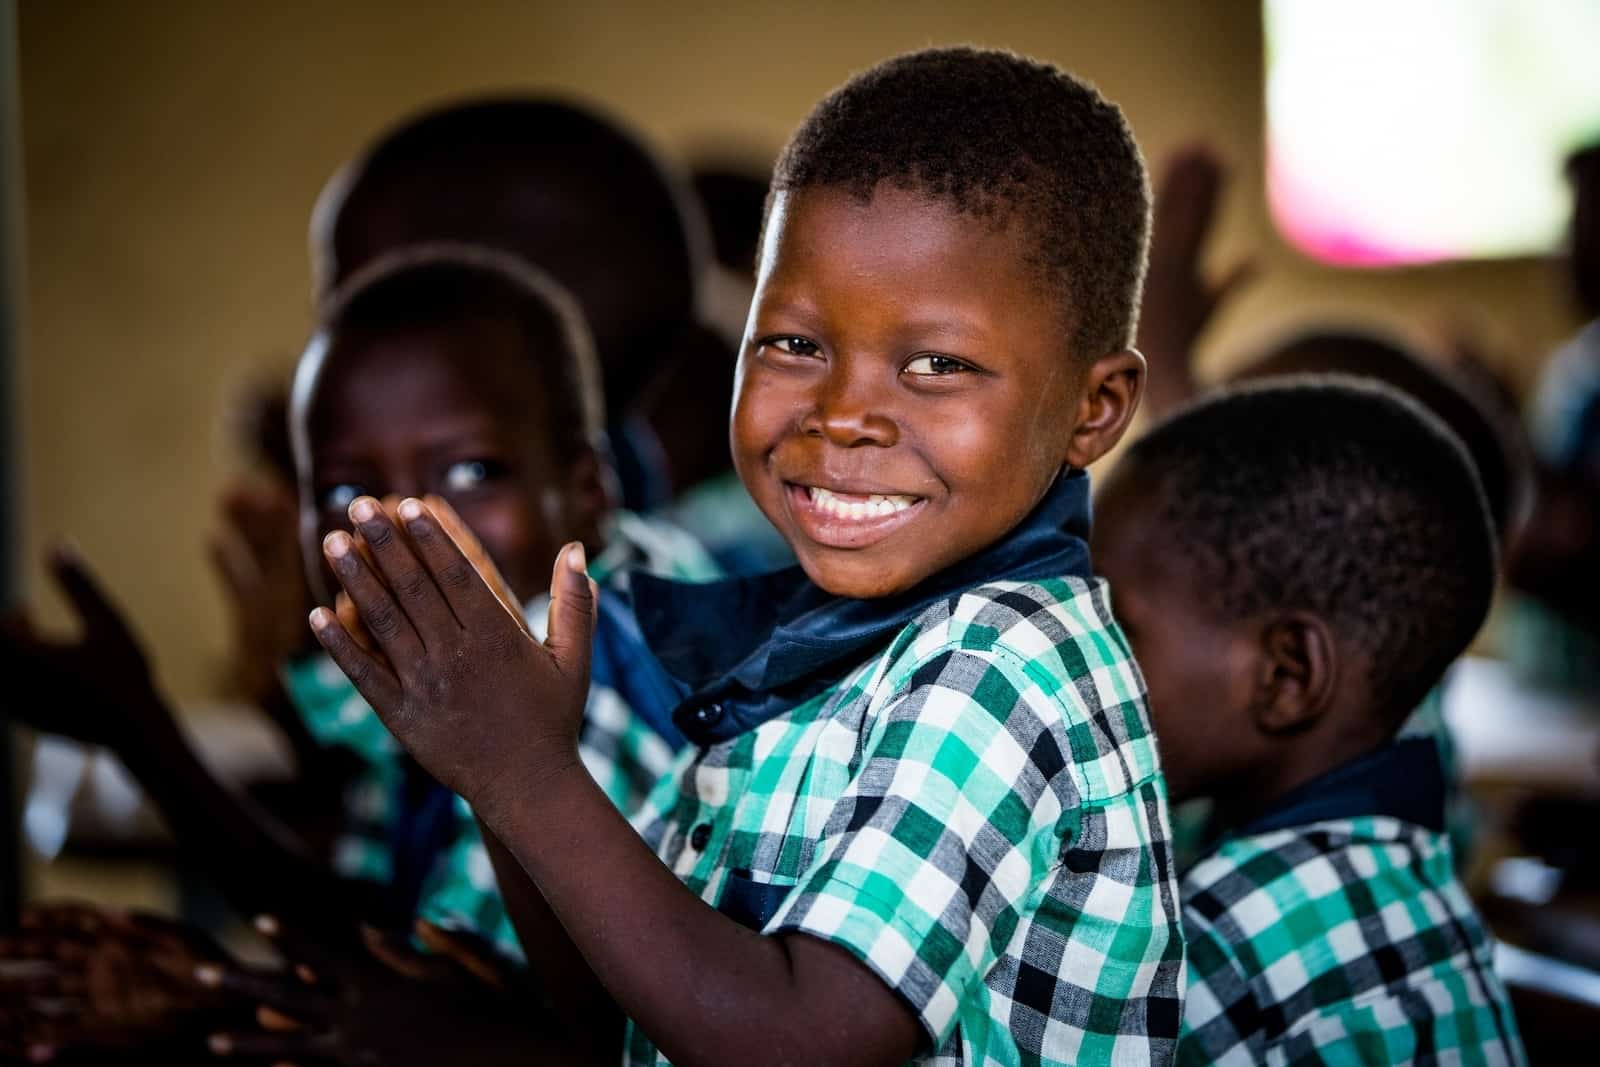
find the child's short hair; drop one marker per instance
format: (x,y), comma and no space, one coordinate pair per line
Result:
(1495,449)
(1337,496)
(998,136)
(439,286)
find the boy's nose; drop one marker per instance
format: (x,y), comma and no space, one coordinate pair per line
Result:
(849,411)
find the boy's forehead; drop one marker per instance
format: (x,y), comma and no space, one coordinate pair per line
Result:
(394,380)
(907,241)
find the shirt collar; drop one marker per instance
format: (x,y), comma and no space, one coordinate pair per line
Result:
(747,649)
(1402,780)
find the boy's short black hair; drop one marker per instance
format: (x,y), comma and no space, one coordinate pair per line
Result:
(557,183)
(1340,497)
(441,286)
(1495,449)
(1005,137)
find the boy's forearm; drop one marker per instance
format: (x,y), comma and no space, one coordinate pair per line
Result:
(259,864)
(579,1004)
(704,988)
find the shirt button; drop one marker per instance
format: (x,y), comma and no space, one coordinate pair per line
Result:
(707,714)
(699,836)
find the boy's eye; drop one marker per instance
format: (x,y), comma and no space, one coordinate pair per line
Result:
(468,474)
(338,499)
(935,366)
(795,346)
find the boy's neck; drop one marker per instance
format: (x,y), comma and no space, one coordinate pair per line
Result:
(1302,761)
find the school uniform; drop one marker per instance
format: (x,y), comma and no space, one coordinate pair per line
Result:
(423,840)
(958,785)
(1333,930)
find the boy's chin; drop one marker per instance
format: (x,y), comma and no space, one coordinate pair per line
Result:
(858,577)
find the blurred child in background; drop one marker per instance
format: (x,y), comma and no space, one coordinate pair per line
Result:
(1296,564)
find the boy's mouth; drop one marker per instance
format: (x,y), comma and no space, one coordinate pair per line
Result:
(839,519)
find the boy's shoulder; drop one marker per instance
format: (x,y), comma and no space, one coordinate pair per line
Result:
(1250,874)
(1060,626)
(1051,647)
(1337,931)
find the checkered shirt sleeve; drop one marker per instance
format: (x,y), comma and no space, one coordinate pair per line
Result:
(978,817)
(1348,941)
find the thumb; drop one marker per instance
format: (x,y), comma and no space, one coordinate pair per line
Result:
(470,952)
(99,615)
(572,612)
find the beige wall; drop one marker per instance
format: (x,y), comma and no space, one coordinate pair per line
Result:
(173,151)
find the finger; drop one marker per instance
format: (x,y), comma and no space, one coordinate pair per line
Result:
(276,1045)
(350,619)
(399,957)
(1186,202)
(471,600)
(315,957)
(276,989)
(372,678)
(468,951)
(388,623)
(413,587)
(53,949)
(572,612)
(272,1019)
(100,616)
(477,555)
(45,982)
(65,917)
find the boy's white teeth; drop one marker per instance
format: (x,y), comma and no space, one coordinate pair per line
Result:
(875,506)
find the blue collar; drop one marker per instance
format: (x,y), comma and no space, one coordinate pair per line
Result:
(745,650)
(1402,780)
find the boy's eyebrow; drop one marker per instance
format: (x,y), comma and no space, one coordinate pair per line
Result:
(949,322)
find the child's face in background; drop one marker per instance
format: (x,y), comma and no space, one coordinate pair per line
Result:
(1197,667)
(906,391)
(455,412)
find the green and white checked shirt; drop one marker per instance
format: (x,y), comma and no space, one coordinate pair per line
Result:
(1346,941)
(977,814)
(623,753)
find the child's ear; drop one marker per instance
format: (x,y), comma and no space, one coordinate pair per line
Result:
(1112,386)
(1295,675)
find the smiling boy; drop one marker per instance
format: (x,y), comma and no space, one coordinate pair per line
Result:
(921,814)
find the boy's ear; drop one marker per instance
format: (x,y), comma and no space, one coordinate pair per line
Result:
(1112,387)
(1294,684)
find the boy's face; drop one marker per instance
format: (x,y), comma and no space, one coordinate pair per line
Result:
(1198,667)
(449,412)
(906,393)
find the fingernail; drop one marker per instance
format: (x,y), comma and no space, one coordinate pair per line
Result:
(321,619)
(576,558)
(337,544)
(305,974)
(208,975)
(363,509)
(411,509)
(267,925)
(220,1044)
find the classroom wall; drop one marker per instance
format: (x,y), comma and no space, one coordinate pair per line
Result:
(173,152)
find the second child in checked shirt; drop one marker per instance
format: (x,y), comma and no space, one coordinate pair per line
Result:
(1296,565)
(921,816)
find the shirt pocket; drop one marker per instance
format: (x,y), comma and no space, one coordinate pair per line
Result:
(750,903)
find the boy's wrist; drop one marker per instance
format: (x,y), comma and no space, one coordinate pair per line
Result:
(521,791)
